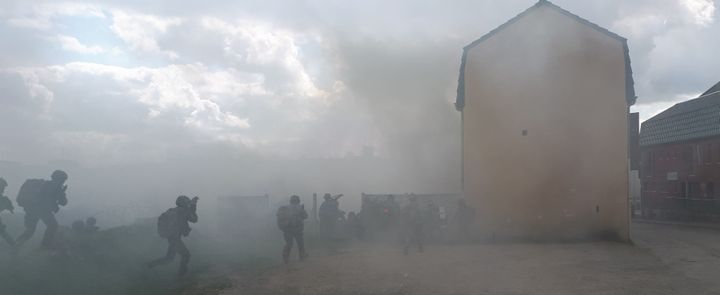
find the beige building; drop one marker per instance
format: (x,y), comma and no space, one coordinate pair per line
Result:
(544,101)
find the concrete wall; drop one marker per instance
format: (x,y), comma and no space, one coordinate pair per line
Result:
(564,83)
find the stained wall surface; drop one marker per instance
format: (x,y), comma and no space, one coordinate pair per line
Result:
(545,131)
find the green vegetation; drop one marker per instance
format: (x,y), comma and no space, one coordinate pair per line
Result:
(110,262)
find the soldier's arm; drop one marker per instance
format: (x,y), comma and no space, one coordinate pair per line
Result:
(193,217)
(303,214)
(193,211)
(62,198)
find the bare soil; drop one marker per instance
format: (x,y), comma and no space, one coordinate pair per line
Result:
(582,268)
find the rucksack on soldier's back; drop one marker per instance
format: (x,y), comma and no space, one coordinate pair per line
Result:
(30,192)
(167,223)
(283,217)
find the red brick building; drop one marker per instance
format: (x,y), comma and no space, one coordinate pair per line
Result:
(680,160)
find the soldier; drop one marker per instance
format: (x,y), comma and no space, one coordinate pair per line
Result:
(290,219)
(412,225)
(390,210)
(329,215)
(432,221)
(5,204)
(78,226)
(41,199)
(173,225)
(91,225)
(465,219)
(355,226)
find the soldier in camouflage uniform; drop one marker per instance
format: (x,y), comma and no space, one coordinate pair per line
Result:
(5,204)
(329,214)
(184,212)
(413,221)
(465,219)
(291,219)
(44,208)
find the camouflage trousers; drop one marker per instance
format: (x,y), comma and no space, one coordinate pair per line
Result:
(5,235)
(297,237)
(31,221)
(175,246)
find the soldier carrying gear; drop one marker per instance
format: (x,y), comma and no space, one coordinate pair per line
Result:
(329,214)
(5,204)
(41,199)
(291,219)
(91,225)
(465,219)
(412,225)
(173,225)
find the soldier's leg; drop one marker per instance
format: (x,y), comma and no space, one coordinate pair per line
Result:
(5,235)
(169,255)
(405,239)
(184,257)
(288,236)
(51,225)
(419,237)
(300,240)
(31,221)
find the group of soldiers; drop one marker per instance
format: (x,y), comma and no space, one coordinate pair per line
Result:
(41,200)
(411,223)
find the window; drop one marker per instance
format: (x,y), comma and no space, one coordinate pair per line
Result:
(707,154)
(694,190)
(646,164)
(687,154)
(683,190)
(710,190)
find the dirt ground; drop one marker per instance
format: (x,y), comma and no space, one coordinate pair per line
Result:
(656,264)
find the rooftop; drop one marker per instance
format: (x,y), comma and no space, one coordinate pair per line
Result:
(693,119)
(630,84)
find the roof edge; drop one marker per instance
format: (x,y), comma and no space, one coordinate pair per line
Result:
(549,4)
(630,96)
(460,98)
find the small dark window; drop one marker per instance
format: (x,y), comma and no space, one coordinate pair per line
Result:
(683,190)
(694,190)
(524,132)
(710,190)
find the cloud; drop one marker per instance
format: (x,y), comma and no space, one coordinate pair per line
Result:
(309,78)
(140,31)
(702,12)
(42,16)
(73,44)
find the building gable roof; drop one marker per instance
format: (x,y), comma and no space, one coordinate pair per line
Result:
(692,119)
(629,85)
(715,88)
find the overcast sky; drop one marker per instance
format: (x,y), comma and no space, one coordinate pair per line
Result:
(112,82)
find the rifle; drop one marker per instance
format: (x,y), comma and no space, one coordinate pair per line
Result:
(193,203)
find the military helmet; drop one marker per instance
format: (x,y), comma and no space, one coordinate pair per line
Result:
(294,199)
(182,201)
(59,175)
(327,196)
(3,183)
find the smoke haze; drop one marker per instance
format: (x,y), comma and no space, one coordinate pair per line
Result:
(142,101)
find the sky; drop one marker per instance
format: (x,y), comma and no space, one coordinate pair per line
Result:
(123,82)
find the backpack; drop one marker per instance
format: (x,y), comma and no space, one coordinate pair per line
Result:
(283,217)
(31,192)
(167,223)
